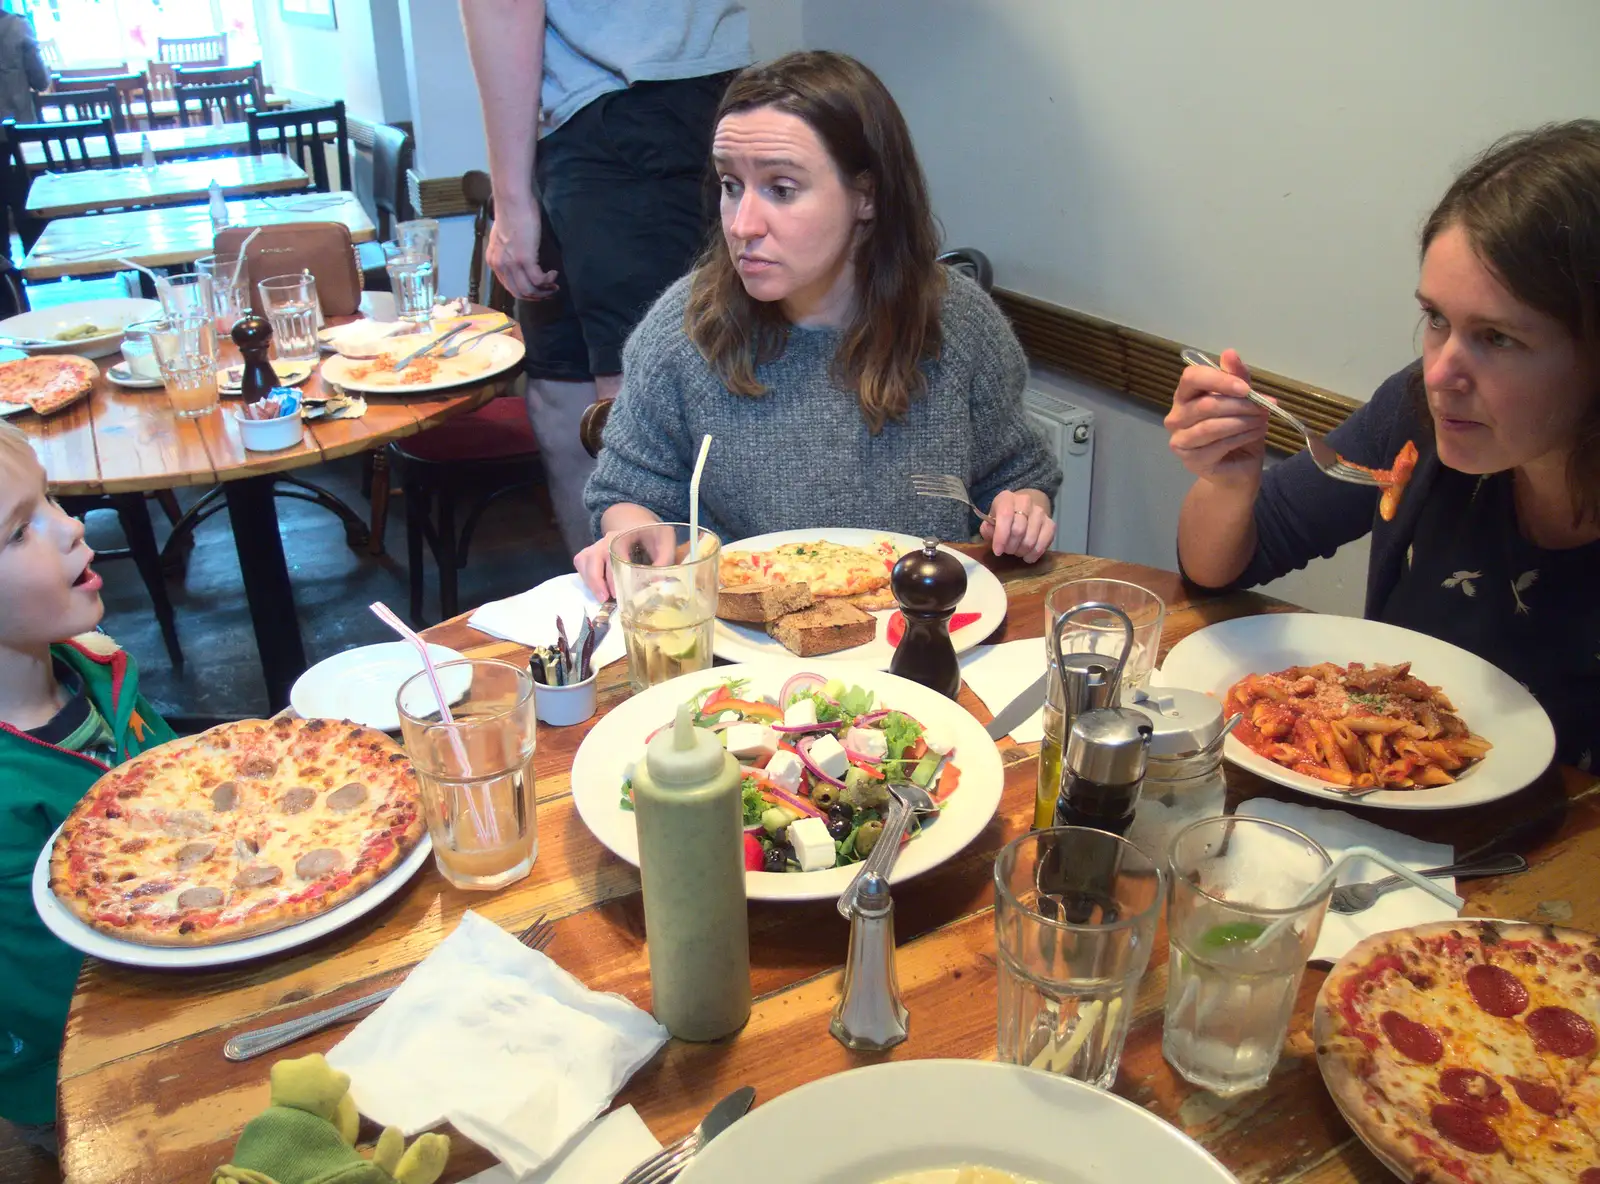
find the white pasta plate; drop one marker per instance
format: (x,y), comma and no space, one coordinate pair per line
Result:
(617,742)
(939,1114)
(1489,701)
(986,596)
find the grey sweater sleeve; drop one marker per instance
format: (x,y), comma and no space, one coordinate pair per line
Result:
(1007,452)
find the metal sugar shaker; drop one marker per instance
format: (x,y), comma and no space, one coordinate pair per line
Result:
(870,1015)
(1183,781)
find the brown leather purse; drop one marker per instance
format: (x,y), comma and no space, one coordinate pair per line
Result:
(323,248)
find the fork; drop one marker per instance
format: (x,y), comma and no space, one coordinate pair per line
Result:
(1322,453)
(952,488)
(253,1044)
(1358,898)
(428,348)
(461,344)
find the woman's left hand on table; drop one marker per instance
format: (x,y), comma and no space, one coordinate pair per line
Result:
(1022,524)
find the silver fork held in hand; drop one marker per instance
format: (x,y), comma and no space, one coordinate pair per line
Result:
(949,487)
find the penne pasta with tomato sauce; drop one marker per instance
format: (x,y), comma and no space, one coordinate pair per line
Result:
(1355,726)
(1392,480)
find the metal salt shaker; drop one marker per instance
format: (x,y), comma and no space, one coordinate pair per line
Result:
(870,1016)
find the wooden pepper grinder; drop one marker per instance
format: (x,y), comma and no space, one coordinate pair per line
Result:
(928,584)
(253,335)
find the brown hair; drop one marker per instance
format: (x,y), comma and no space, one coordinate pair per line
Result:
(1530,206)
(899,283)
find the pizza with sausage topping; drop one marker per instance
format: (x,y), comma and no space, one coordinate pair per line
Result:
(1465,1051)
(242,829)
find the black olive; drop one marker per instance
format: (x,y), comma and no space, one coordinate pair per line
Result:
(839,810)
(777,858)
(838,827)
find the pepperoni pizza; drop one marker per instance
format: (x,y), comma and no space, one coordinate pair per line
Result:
(1465,1051)
(241,829)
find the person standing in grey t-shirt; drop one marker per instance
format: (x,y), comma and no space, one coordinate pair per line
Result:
(598,120)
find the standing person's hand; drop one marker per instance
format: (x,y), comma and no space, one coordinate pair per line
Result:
(1022,524)
(513,250)
(1216,431)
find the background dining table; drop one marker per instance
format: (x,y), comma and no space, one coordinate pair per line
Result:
(57,195)
(167,143)
(91,244)
(129,441)
(147,1098)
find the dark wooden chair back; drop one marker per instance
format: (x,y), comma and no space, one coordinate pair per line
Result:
(392,151)
(50,53)
(210,75)
(194,51)
(130,89)
(56,141)
(304,134)
(15,179)
(475,186)
(234,99)
(159,79)
(104,70)
(77,105)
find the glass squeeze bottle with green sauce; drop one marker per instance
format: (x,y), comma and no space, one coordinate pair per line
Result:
(690,822)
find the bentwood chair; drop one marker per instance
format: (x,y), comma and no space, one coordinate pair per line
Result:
(194,51)
(305,135)
(210,75)
(196,102)
(160,78)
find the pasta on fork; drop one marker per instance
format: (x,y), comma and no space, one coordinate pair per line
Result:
(1355,726)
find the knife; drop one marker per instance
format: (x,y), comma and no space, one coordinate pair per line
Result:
(670,1160)
(1019,709)
(601,623)
(432,345)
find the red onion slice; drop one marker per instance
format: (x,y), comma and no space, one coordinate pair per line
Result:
(799,729)
(804,681)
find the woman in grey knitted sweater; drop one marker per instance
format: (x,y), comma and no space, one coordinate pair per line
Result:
(821,344)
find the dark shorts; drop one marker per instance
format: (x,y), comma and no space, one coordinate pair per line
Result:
(628,199)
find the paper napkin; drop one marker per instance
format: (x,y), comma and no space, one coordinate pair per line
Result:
(530,618)
(997,674)
(499,1041)
(1338,831)
(604,1153)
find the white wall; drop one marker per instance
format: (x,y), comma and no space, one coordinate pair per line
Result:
(1242,172)
(355,62)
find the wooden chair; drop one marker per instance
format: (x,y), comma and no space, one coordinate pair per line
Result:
(100,102)
(15,179)
(131,93)
(233,99)
(384,195)
(300,134)
(209,75)
(479,192)
(50,53)
(194,51)
(159,79)
(56,140)
(133,513)
(106,70)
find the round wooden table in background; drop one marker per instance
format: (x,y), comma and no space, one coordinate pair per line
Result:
(126,441)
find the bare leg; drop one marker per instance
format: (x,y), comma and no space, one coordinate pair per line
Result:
(554,408)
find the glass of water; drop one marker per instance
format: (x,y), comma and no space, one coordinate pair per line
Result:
(666,600)
(230,288)
(185,295)
(290,303)
(1075,917)
(412,279)
(1229,998)
(186,351)
(475,772)
(419,236)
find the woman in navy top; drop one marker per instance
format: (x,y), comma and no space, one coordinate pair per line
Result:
(1496,545)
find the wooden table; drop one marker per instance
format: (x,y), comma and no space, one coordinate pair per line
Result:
(91,244)
(168,143)
(146,1096)
(126,442)
(56,195)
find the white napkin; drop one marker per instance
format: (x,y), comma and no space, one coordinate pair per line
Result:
(498,1040)
(530,618)
(604,1153)
(997,674)
(1338,831)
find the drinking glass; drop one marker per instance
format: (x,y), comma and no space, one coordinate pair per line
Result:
(419,236)
(1228,1001)
(185,295)
(1099,633)
(139,351)
(412,280)
(475,773)
(186,350)
(668,602)
(230,288)
(290,303)
(1075,917)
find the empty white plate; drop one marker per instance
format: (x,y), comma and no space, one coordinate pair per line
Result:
(361,684)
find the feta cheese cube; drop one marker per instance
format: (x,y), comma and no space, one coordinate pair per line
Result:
(937,741)
(813,845)
(751,740)
(784,770)
(868,742)
(800,713)
(828,755)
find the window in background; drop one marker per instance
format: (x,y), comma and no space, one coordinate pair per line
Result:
(109,32)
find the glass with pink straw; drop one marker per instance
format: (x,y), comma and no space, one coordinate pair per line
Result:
(469,728)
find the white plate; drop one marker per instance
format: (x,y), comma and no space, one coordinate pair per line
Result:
(1491,702)
(932,1114)
(504,352)
(114,314)
(361,684)
(9,409)
(122,376)
(986,596)
(289,374)
(62,922)
(617,741)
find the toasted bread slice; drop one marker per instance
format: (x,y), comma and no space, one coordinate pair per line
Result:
(757,604)
(825,629)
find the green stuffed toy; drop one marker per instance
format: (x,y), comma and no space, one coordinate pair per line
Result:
(308,1135)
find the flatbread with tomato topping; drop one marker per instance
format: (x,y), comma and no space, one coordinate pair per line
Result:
(831,569)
